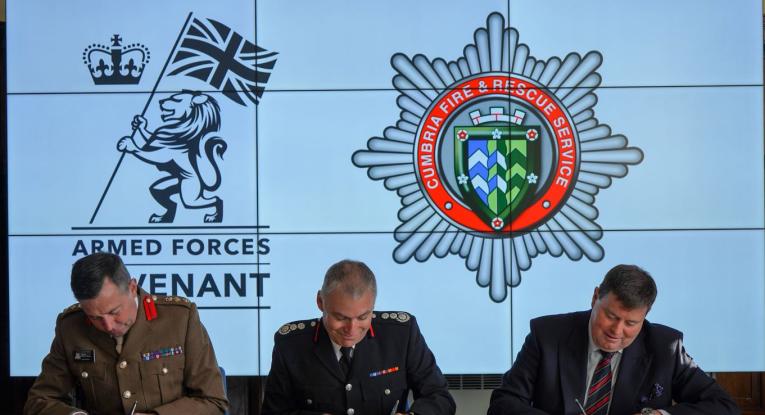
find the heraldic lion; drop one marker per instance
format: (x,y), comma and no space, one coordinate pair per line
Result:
(185,148)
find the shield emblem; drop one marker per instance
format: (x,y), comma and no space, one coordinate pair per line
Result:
(496,168)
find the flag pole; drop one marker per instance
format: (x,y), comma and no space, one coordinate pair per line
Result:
(145,108)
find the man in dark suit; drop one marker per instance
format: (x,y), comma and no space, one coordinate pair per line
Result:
(354,360)
(609,360)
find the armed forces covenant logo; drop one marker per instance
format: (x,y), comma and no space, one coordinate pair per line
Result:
(497,157)
(185,146)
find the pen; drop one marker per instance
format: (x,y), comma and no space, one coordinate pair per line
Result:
(132,411)
(579,404)
(395,406)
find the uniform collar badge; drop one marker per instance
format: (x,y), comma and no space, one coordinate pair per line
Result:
(150,307)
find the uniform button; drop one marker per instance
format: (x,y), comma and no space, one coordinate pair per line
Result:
(123,364)
(84,375)
(308,401)
(348,387)
(350,411)
(126,394)
(387,391)
(164,370)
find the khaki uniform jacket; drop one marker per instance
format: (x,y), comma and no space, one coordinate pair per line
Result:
(167,365)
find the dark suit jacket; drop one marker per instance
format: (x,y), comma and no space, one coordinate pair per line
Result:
(550,372)
(305,376)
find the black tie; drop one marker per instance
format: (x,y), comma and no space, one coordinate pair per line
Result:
(345,361)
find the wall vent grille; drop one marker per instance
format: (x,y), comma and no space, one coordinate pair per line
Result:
(483,381)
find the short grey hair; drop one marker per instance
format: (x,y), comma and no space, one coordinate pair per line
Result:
(353,277)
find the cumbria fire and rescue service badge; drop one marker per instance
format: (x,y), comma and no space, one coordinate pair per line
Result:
(497,157)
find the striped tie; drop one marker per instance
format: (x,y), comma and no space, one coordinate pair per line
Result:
(599,393)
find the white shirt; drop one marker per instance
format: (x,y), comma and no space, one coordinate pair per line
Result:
(593,357)
(338,353)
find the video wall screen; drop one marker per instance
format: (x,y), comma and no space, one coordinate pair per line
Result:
(489,160)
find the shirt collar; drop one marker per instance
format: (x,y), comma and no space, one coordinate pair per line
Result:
(336,348)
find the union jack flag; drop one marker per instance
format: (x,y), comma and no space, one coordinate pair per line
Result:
(215,54)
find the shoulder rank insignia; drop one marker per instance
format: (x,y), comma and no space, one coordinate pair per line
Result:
(73,307)
(290,327)
(400,316)
(172,299)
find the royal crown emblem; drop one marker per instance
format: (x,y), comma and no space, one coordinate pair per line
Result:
(497,157)
(116,64)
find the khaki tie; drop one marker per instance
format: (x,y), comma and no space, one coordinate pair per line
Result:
(118,346)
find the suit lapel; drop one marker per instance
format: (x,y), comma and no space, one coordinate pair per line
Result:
(632,371)
(326,354)
(572,362)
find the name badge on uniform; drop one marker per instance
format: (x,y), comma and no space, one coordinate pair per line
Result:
(85,355)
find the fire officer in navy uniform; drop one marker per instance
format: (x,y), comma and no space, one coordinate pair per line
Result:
(126,352)
(354,360)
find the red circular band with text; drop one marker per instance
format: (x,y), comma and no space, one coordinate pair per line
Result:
(431,131)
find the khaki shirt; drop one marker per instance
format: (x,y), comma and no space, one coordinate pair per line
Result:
(167,365)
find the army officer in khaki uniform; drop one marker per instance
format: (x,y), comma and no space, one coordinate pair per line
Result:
(353,360)
(125,350)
